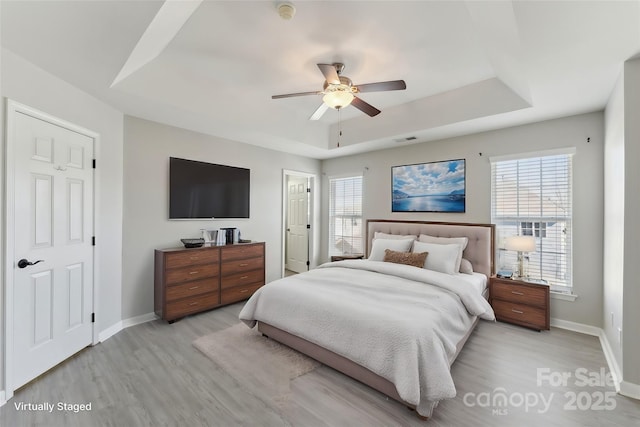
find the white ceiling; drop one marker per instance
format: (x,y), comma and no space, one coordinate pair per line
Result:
(213,66)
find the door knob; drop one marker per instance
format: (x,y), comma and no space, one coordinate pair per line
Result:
(25,263)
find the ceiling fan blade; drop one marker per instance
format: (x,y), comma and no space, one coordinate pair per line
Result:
(330,74)
(319,112)
(382,86)
(365,107)
(290,95)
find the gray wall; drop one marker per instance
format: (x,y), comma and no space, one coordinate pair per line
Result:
(588,191)
(148,146)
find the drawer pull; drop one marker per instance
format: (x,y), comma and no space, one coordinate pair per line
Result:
(244,264)
(193,287)
(194,258)
(244,290)
(194,303)
(517,293)
(517,311)
(244,277)
(193,272)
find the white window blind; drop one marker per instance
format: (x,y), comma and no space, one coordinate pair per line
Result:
(345,215)
(533,197)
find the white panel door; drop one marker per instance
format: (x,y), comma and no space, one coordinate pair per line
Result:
(53,217)
(297,220)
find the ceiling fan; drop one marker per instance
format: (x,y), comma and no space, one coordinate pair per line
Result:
(338,91)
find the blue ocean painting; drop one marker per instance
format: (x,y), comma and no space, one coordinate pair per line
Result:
(429,187)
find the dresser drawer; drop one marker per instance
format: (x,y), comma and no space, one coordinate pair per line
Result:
(195,272)
(191,305)
(192,288)
(191,257)
(522,294)
(242,265)
(238,293)
(245,278)
(519,313)
(240,251)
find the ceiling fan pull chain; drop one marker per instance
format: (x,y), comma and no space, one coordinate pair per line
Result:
(339,126)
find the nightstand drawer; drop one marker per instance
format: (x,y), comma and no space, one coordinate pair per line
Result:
(518,293)
(519,313)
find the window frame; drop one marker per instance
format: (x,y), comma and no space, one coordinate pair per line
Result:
(358,245)
(539,225)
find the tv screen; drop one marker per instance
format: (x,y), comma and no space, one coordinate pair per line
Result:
(206,190)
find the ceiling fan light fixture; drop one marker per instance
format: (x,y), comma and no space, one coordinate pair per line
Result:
(338,96)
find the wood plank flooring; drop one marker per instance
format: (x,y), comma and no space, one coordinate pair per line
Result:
(151,375)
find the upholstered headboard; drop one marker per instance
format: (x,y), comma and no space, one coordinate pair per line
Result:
(480,250)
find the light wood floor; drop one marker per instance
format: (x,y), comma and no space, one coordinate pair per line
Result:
(151,375)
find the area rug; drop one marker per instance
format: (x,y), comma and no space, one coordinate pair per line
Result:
(258,364)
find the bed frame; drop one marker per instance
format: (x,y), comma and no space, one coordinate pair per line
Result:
(480,252)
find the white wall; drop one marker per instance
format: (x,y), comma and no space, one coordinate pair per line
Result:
(148,146)
(614,218)
(588,191)
(25,83)
(621,292)
(631,314)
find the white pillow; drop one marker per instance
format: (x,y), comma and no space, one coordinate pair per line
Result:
(379,246)
(441,258)
(380,235)
(465,266)
(461,241)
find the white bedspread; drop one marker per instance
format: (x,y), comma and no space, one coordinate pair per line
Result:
(398,321)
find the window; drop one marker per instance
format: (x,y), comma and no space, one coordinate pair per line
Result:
(532,196)
(345,215)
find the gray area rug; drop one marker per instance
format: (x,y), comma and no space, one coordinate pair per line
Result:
(260,365)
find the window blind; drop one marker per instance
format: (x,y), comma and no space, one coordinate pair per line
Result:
(345,215)
(533,197)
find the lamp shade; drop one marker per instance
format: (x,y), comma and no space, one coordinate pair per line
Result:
(520,243)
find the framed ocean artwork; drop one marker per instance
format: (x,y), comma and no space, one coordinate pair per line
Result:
(429,187)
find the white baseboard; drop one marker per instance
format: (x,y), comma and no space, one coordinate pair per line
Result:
(576,327)
(614,368)
(630,390)
(625,388)
(143,318)
(124,324)
(110,331)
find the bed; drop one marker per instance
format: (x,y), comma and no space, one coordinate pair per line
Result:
(394,327)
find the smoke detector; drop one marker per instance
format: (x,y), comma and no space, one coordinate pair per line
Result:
(286,10)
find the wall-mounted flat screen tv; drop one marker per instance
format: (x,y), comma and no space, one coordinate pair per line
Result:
(199,190)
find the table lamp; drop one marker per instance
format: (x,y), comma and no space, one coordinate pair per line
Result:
(520,244)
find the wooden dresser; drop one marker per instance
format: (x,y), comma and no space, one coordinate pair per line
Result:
(521,303)
(189,281)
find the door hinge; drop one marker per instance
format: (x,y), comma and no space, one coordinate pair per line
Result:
(93,240)
(308,263)
(309,190)
(308,226)
(93,318)
(94,163)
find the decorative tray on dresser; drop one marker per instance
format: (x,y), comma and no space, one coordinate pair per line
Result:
(188,281)
(520,302)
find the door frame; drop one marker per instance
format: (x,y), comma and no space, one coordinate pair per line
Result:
(285,198)
(12,109)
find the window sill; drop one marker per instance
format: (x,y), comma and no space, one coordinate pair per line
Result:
(563,296)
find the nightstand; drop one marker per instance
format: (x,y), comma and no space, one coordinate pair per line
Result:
(345,257)
(519,302)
